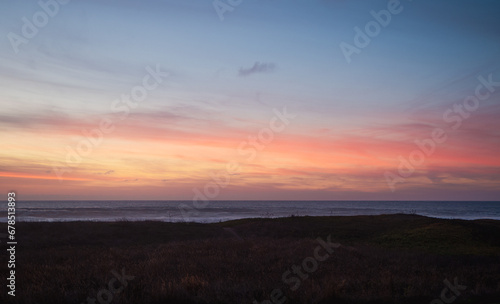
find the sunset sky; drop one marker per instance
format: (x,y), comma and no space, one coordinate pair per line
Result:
(217,79)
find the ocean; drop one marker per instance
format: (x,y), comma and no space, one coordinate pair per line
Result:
(215,211)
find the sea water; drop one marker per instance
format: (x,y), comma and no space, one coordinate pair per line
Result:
(215,211)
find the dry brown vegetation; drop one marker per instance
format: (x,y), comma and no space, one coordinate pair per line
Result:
(383,259)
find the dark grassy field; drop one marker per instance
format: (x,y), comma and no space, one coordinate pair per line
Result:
(382,259)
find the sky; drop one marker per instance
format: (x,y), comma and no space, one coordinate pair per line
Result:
(250,100)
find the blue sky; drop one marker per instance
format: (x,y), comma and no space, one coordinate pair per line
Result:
(90,52)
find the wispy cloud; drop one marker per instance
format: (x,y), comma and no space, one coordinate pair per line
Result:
(257,68)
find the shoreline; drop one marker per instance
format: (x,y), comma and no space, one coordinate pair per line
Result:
(398,258)
(126,220)
(111,220)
